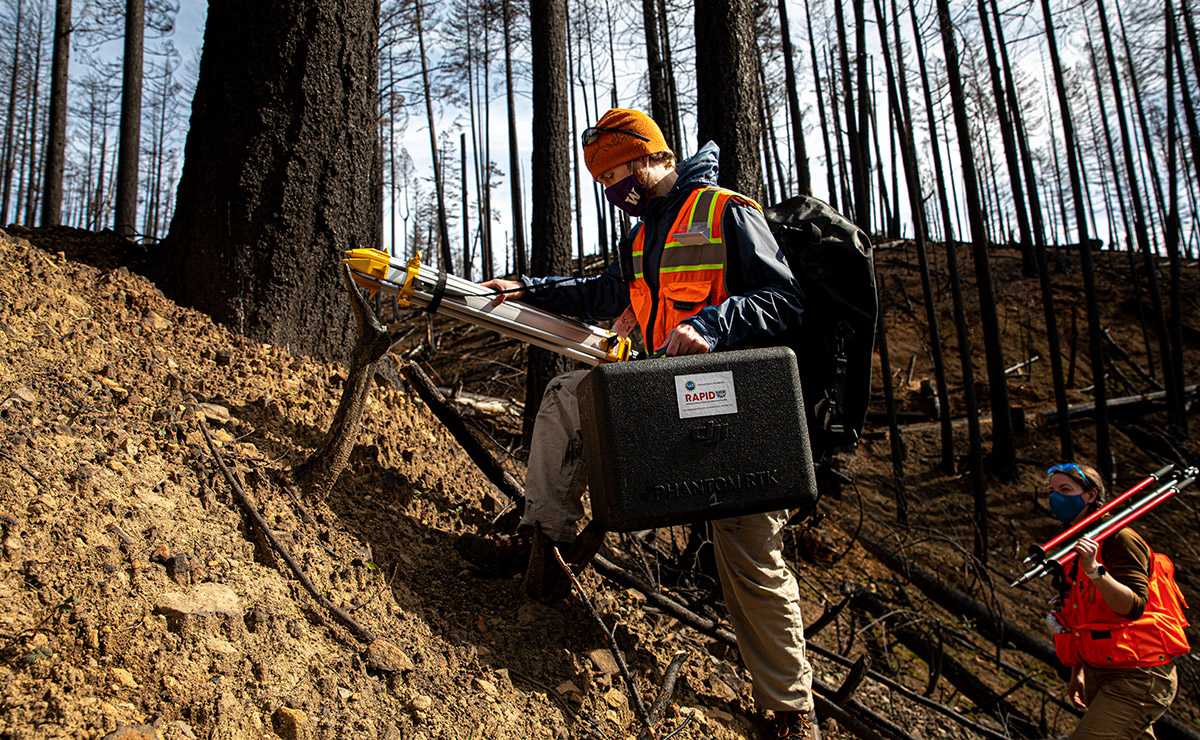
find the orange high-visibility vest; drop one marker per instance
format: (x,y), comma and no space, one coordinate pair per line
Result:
(691,269)
(1101,638)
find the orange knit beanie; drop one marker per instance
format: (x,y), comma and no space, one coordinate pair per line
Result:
(616,147)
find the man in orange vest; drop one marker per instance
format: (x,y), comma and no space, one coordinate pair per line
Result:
(1119,621)
(703,273)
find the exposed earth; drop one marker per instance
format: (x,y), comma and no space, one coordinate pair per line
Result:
(137,602)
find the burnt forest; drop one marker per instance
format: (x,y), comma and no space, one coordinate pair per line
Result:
(231,482)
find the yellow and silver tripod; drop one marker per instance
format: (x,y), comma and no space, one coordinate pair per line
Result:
(438,292)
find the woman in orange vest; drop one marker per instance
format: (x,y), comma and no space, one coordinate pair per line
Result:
(1119,622)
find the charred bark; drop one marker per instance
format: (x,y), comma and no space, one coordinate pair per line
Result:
(278,173)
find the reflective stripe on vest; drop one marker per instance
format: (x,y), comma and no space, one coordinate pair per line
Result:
(1099,637)
(691,268)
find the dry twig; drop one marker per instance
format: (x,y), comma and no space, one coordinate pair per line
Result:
(255,520)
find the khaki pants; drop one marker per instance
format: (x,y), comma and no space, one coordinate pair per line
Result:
(760,591)
(1122,704)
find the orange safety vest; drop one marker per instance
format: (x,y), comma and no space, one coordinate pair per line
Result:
(691,269)
(1100,638)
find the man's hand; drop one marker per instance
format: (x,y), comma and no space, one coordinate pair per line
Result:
(683,340)
(1087,549)
(1075,688)
(500,284)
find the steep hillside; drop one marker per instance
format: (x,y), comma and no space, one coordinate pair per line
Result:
(136,595)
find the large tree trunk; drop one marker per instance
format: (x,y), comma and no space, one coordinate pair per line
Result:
(727,91)
(131,118)
(278,173)
(57,134)
(551,216)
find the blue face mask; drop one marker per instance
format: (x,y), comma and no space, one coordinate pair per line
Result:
(629,195)
(1064,507)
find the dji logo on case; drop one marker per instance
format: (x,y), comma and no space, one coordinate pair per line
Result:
(711,433)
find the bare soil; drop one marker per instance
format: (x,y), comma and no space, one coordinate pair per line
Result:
(136,599)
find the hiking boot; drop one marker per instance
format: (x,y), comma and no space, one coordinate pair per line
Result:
(796,725)
(500,556)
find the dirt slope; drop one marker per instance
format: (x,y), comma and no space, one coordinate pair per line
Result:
(134,594)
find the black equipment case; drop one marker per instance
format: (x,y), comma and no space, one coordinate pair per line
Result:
(685,439)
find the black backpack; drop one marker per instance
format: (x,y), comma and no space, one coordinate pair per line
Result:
(831,258)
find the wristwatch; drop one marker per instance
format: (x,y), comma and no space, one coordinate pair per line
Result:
(1098,573)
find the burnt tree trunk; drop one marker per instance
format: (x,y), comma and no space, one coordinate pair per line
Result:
(660,99)
(857,170)
(1011,156)
(912,177)
(56,141)
(830,178)
(551,217)
(1140,227)
(445,258)
(803,178)
(131,118)
(278,174)
(514,159)
(727,91)
(978,481)
(1003,456)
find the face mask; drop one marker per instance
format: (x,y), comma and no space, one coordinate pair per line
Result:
(629,195)
(1065,508)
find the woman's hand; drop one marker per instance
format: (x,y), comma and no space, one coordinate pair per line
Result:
(500,284)
(1075,688)
(1088,549)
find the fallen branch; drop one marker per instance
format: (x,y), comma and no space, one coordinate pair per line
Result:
(481,404)
(28,472)
(613,648)
(466,437)
(255,520)
(1123,407)
(956,673)
(708,627)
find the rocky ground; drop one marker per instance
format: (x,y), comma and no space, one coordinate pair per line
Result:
(137,600)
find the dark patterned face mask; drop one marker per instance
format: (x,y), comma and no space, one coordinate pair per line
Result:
(629,195)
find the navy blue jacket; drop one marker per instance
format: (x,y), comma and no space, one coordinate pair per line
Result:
(765,301)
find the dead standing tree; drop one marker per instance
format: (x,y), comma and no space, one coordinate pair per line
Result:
(52,198)
(131,118)
(1003,456)
(551,222)
(727,91)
